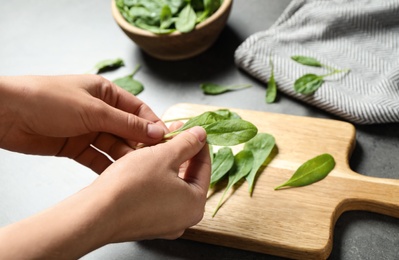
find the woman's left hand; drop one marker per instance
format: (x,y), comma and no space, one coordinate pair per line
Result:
(74,116)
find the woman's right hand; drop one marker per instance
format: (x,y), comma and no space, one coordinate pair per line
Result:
(159,191)
(154,192)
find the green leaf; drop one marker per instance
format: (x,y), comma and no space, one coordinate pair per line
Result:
(186,20)
(166,17)
(271,91)
(215,89)
(220,129)
(175,5)
(227,114)
(309,61)
(308,84)
(140,23)
(230,132)
(311,171)
(242,166)
(261,146)
(141,12)
(128,83)
(106,65)
(210,6)
(130,2)
(222,163)
(202,120)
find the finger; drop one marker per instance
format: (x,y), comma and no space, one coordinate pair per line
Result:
(79,149)
(198,172)
(175,125)
(125,116)
(185,145)
(108,119)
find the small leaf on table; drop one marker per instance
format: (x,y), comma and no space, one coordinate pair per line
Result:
(242,166)
(230,132)
(215,89)
(222,163)
(109,64)
(261,146)
(311,171)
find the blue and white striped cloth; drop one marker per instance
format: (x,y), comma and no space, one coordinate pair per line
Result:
(362,35)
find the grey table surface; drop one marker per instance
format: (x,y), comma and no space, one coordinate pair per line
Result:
(69,37)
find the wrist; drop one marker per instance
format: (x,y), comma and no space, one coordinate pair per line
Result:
(89,224)
(69,230)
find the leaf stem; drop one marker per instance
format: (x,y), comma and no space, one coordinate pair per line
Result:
(335,71)
(171,134)
(135,70)
(220,202)
(177,119)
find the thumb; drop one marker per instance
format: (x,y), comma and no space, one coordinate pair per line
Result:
(191,146)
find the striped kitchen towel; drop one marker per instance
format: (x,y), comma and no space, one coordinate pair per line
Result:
(361,35)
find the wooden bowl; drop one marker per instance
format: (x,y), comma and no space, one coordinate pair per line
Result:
(177,46)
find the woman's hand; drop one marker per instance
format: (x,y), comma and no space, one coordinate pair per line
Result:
(159,191)
(68,115)
(154,192)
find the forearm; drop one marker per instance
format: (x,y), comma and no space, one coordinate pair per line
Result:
(68,230)
(8,102)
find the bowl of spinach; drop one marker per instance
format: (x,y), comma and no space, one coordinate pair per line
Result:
(172,29)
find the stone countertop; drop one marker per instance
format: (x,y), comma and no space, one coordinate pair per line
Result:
(69,37)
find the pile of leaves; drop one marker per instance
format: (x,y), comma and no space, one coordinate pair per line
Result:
(225,129)
(167,16)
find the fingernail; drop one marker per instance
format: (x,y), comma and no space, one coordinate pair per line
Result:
(155,131)
(199,132)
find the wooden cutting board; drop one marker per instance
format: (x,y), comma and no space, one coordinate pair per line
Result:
(296,223)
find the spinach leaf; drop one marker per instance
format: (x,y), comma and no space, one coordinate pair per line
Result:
(304,60)
(230,132)
(220,130)
(261,146)
(271,91)
(128,83)
(308,84)
(210,7)
(311,171)
(186,20)
(140,23)
(215,89)
(166,17)
(106,65)
(242,166)
(227,114)
(130,2)
(143,14)
(176,5)
(222,163)
(204,119)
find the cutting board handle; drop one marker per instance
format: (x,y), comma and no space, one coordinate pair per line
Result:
(372,194)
